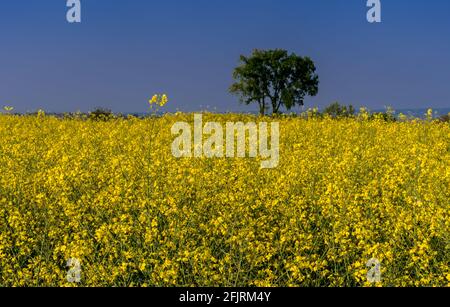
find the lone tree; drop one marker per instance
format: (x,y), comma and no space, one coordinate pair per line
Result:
(273,78)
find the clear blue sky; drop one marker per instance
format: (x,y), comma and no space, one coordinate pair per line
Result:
(124,51)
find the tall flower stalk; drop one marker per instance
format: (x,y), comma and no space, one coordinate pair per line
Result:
(157,102)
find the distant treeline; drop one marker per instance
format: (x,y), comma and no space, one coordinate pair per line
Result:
(334,110)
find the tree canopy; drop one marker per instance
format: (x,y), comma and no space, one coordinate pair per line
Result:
(275,79)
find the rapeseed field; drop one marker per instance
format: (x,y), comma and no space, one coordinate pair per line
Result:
(110,194)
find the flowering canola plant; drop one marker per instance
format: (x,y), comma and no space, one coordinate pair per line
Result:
(159,100)
(345,191)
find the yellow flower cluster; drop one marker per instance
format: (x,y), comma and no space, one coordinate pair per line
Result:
(112,196)
(160,100)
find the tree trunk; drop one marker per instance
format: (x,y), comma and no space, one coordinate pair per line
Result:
(262,108)
(274,106)
(278,107)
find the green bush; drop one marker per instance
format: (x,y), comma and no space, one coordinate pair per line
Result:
(445,118)
(337,110)
(101,114)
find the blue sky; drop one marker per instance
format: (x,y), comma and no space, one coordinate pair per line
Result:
(125,51)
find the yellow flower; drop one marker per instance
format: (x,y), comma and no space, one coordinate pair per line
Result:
(160,100)
(154,99)
(347,191)
(429,114)
(164,100)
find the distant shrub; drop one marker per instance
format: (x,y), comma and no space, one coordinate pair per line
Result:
(445,118)
(101,114)
(386,116)
(337,110)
